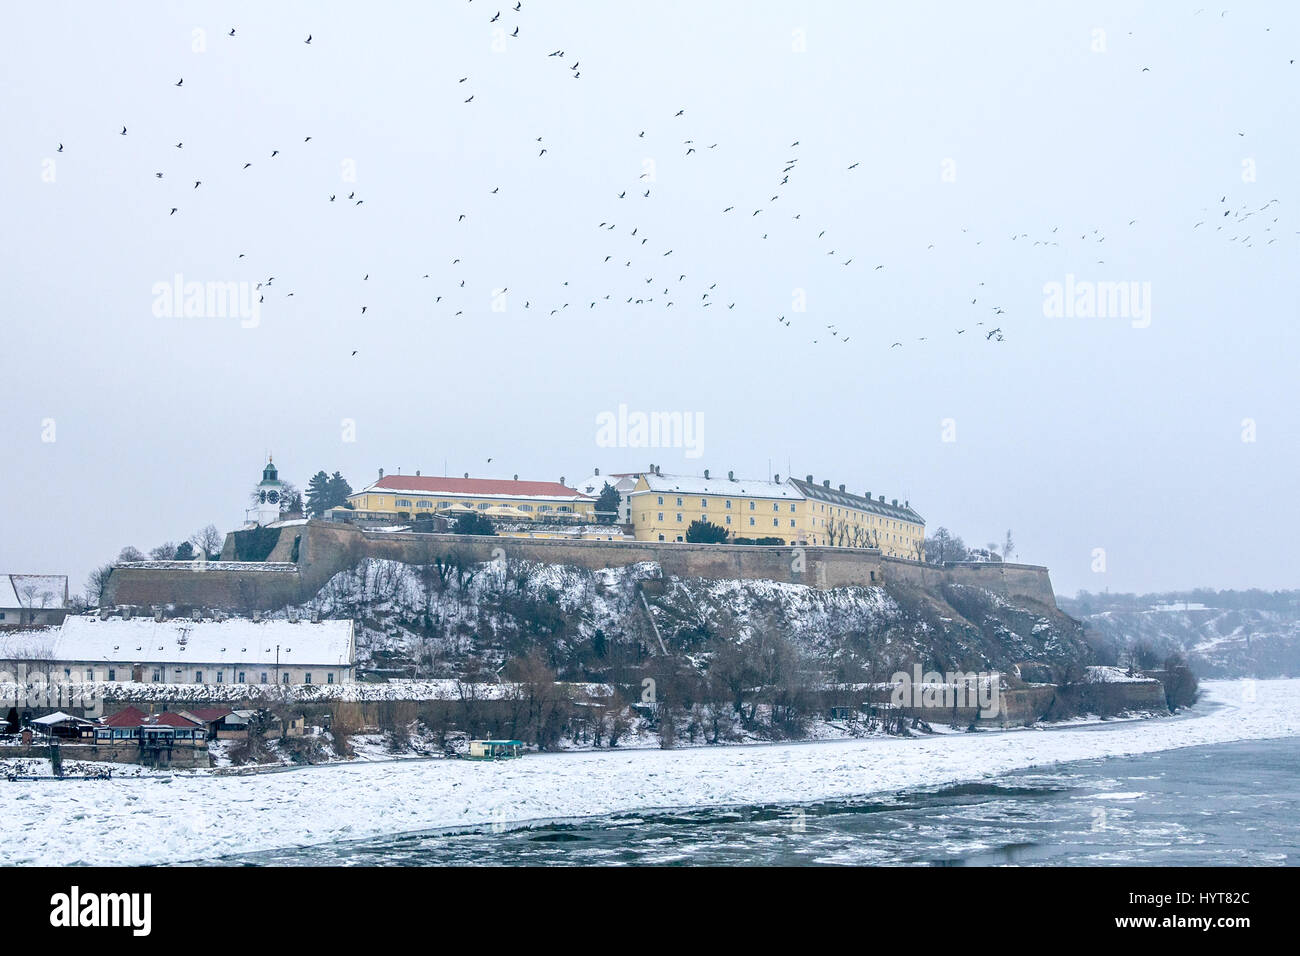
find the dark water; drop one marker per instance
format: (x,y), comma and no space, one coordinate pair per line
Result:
(1226,804)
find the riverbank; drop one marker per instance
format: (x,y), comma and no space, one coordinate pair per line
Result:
(202,816)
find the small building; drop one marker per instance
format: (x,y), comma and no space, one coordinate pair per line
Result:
(495,749)
(64,726)
(33,600)
(152,731)
(211,718)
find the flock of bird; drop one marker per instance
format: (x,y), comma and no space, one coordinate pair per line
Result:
(643,273)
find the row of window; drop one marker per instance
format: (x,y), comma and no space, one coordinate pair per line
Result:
(240,676)
(776,506)
(704,503)
(776,522)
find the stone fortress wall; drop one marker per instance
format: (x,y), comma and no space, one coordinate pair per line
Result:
(305,556)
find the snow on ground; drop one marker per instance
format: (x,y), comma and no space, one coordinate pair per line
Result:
(200,816)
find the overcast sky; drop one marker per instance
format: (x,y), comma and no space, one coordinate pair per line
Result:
(970,124)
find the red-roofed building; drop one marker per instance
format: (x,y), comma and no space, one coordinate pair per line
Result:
(395,495)
(127,717)
(163,729)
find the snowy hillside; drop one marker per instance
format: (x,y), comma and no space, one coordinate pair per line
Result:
(1218,642)
(446,621)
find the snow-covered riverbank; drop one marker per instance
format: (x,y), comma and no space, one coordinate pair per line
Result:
(202,816)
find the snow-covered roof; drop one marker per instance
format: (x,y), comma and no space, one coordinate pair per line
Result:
(51,590)
(594,484)
(59,717)
(699,485)
(847,499)
(142,640)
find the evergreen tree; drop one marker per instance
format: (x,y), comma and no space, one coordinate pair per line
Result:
(318,494)
(608,500)
(705,532)
(473,523)
(339,489)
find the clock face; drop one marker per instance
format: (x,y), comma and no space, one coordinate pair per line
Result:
(272,497)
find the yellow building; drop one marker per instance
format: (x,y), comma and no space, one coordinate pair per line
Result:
(785,512)
(834,517)
(412,495)
(663,507)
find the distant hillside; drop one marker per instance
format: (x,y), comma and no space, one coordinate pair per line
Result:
(1222,633)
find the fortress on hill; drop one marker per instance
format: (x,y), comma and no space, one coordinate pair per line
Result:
(792,531)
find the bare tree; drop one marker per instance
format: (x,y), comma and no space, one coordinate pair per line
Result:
(1009,547)
(208,540)
(95,584)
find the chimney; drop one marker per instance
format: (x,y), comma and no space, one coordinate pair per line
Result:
(841,487)
(516,477)
(895,502)
(731,476)
(882,499)
(826,482)
(561,479)
(467,474)
(905,503)
(417,473)
(867,495)
(597,471)
(777,479)
(808,478)
(381,473)
(706,473)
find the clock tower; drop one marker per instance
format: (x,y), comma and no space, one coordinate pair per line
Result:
(270,493)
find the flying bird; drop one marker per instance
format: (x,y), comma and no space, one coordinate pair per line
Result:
(308,40)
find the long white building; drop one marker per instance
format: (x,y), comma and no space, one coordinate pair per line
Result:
(181,651)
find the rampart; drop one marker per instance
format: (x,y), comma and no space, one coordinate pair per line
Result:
(305,556)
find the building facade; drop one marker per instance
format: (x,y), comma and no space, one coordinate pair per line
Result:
(412,495)
(663,507)
(837,518)
(788,512)
(90,648)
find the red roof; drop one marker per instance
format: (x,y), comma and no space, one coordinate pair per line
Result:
(170,719)
(209,714)
(130,717)
(476,486)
